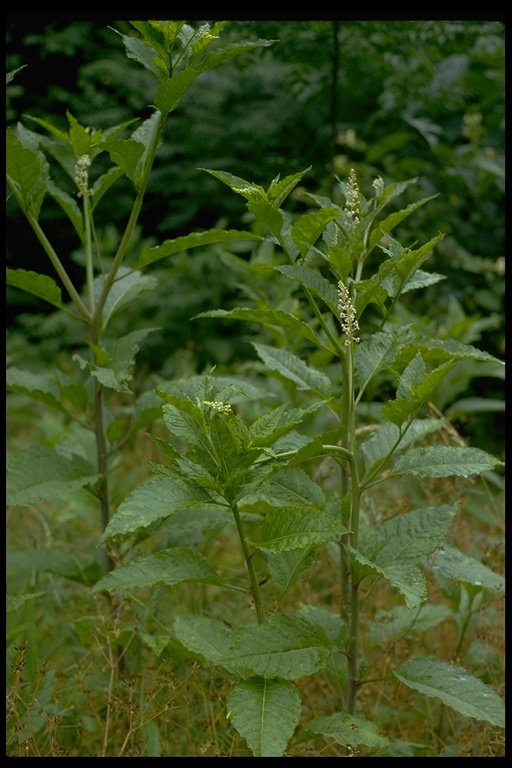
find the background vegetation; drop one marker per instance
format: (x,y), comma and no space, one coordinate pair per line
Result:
(398,99)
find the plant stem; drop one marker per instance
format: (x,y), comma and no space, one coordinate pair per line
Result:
(102,460)
(256,593)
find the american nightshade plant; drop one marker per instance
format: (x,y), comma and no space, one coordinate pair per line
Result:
(340,340)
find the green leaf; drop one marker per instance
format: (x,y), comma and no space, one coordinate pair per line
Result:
(56,562)
(27,172)
(13,602)
(157,498)
(296,528)
(314,281)
(34,385)
(274,423)
(40,474)
(279,189)
(265,713)
(402,622)
(115,370)
(287,568)
(272,317)
(193,240)
(169,567)
(382,440)
(286,645)
(69,206)
(455,686)
(289,487)
(400,543)
(307,228)
(128,286)
(348,730)
(444,461)
(378,353)
(125,153)
(459,567)
(208,637)
(42,286)
(293,368)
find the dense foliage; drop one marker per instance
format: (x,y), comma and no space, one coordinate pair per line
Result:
(306,365)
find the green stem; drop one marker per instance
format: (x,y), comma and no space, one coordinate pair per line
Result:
(88,252)
(56,263)
(132,222)
(102,462)
(256,593)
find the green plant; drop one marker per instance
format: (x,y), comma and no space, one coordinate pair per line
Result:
(252,470)
(294,458)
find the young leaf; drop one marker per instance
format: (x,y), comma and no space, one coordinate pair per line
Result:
(40,474)
(444,461)
(157,498)
(293,368)
(265,713)
(169,567)
(287,645)
(455,686)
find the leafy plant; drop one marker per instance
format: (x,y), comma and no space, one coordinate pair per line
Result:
(286,458)
(255,472)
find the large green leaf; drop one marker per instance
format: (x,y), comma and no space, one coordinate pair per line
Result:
(296,528)
(265,430)
(35,385)
(208,637)
(38,285)
(293,368)
(382,441)
(169,567)
(193,240)
(157,498)
(27,172)
(307,228)
(396,548)
(455,686)
(287,568)
(266,713)
(378,352)
(348,730)
(402,622)
(128,286)
(314,281)
(40,474)
(56,562)
(444,461)
(286,645)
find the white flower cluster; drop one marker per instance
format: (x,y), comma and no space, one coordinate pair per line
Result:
(352,204)
(221,407)
(205,33)
(347,312)
(82,176)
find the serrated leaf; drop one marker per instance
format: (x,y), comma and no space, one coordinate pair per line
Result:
(396,548)
(56,562)
(286,645)
(193,240)
(279,189)
(455,686)
(275,318)
(200,634)
(444,461)
(34,385)
(68,205)
(459,567)
(157,498)
(287,568)
(296,528)
(40,474)
(169,567)
(126,154)
(42,286)
(290,487)
(13,602)
(274,423)
(314,281)
(293,368)
(265,713)
(440,350)
(127,287)
(400,621)
(348,730)
(383,439)
(378,352)
(27,172)
(116,366)
(307,228)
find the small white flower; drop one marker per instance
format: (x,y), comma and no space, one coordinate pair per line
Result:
(218,406)
(349,324)
(352,203)
(82,176)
